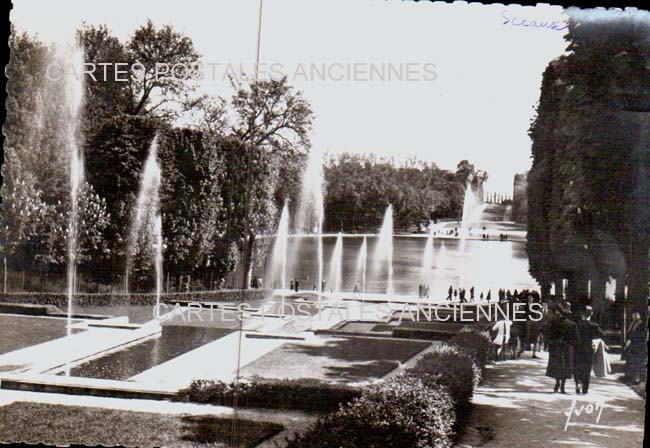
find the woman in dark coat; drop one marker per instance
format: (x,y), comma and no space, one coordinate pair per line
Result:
(561,336)
(584,350)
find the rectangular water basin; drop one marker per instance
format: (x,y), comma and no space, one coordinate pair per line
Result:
(134,359)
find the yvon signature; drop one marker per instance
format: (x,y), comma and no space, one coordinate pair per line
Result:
(595,408)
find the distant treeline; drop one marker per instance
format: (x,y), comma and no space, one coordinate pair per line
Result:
(360,187)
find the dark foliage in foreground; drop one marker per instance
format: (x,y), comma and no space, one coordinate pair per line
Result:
(475,343)
(303,394)
(401,412)
(426,406)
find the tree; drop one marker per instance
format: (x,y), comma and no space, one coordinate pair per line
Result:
(359,188)
(588,138)
(248,199)
(165,59)
(106,95)
(271,120)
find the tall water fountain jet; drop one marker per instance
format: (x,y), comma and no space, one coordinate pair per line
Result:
(384,250)
(310,216)
(441,262)
(362,262)
(336,265)
(158,248)
(427,258)
(279,254)
(147,216)
(472,208)
(73,96)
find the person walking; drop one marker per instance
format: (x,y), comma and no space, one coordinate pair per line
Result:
(522,326)
(489,295)
(501,330)
(635,349)
(584,350)
(450,292)
(561,334)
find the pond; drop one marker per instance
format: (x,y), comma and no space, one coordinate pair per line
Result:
(486,265)
(134,359)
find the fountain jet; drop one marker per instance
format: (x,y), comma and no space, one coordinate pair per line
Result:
(427,257)
(147,215)
(384,250)
(336,265)
(74,87)
(279,254)
(362,261)
(310,216)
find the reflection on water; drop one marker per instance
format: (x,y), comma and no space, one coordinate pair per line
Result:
(484,264)
(135,359)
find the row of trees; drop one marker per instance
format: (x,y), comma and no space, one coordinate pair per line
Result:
(589,186)
(360,187)
(224,177)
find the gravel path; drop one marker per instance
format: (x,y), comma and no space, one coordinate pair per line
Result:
(516,407)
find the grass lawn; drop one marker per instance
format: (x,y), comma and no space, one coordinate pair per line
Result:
(59,425)
(24,331)
(337,359)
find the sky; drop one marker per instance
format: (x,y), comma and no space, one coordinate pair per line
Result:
(475,80)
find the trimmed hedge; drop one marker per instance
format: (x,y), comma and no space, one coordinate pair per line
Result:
(401,412)
(108,299)
(457,371)
(475,343)
(302,394)
(451,368)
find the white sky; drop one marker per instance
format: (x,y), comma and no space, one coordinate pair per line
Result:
(479,106)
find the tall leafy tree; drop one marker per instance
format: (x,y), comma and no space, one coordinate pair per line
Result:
(163,83)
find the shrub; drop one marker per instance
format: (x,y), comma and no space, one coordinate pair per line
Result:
(447,366)
(301,394)
(475,343)
(401,412)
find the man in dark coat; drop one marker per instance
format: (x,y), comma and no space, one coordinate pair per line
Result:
(584,350)
(561,336)
(635,349)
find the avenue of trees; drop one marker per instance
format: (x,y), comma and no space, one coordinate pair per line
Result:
(589,186)
(225,177)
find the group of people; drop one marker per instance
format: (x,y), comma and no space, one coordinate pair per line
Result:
(516,337)
(423,290)
(571,348)
(516,296)
(569,339)
(460,294)
(294,285)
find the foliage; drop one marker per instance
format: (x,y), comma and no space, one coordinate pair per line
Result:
(452,368)
(154,87)
(403,411)
(475,343)
(301,394)
(359,188)
(589,138)
(107,299)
